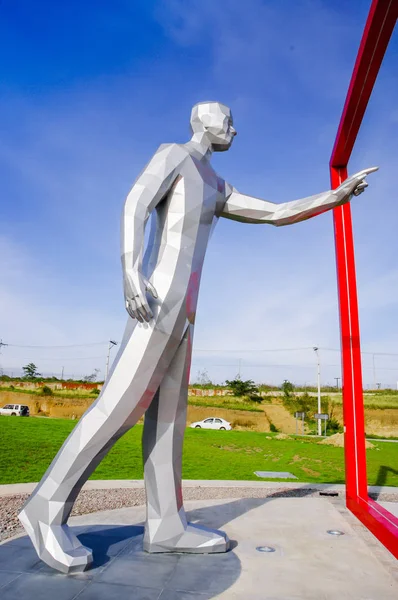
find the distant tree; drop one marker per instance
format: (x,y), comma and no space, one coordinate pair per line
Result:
(30,371)
(287,388)
(241,388)
(91,378)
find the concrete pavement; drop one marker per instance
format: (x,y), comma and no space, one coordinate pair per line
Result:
(308,563)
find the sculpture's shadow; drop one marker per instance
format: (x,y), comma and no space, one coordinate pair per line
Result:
(106,542)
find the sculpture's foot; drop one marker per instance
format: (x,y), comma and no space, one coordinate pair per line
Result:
(195,539)
(56,545)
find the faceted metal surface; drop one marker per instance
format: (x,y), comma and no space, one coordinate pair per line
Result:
(151,371)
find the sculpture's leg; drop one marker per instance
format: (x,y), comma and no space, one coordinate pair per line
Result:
(143,359)
(166,527)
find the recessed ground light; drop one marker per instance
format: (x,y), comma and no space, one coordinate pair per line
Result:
(265,549)
(335,532)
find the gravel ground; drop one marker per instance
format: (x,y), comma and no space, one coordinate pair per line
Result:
(90,501)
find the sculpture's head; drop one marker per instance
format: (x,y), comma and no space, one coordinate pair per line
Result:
(215,121)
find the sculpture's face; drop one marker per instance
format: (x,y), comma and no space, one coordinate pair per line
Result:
(216,120)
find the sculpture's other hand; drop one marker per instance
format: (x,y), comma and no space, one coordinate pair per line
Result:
(354,185)
(135,288)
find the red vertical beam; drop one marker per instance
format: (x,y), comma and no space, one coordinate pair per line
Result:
(353,408)
(380,24)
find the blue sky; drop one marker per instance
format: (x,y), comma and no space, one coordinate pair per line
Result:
(87,93)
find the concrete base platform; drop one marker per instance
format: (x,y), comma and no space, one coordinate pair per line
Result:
(307,563)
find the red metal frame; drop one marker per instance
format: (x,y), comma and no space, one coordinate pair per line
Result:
(378,30)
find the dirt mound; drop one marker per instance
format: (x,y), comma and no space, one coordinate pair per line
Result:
(337,440)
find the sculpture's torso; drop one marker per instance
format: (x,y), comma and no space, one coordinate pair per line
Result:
(184,221)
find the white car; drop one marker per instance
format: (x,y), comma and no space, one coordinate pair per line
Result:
(212,423)
(18,410)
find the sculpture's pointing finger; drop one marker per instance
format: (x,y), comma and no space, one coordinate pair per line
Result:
(365,172)
(371,170)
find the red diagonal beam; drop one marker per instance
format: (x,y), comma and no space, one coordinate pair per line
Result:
(378,29)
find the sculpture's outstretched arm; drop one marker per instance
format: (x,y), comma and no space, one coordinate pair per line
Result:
(254,210)
(148,190)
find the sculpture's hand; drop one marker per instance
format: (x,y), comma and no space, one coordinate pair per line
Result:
(135,288)
(354,185)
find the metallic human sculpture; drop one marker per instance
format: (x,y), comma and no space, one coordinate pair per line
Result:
(151,371)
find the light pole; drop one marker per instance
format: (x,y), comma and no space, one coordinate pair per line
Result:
(316,350)
(1,346)
(111,344)
(337,382)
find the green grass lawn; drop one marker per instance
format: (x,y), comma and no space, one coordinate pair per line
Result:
(229,402)
(28,445)
(67,394)
(375,399)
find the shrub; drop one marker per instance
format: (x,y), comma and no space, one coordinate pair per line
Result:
(254,398)
(273,428)
(333,426)
(47,391)
(304,403)
(95,392)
